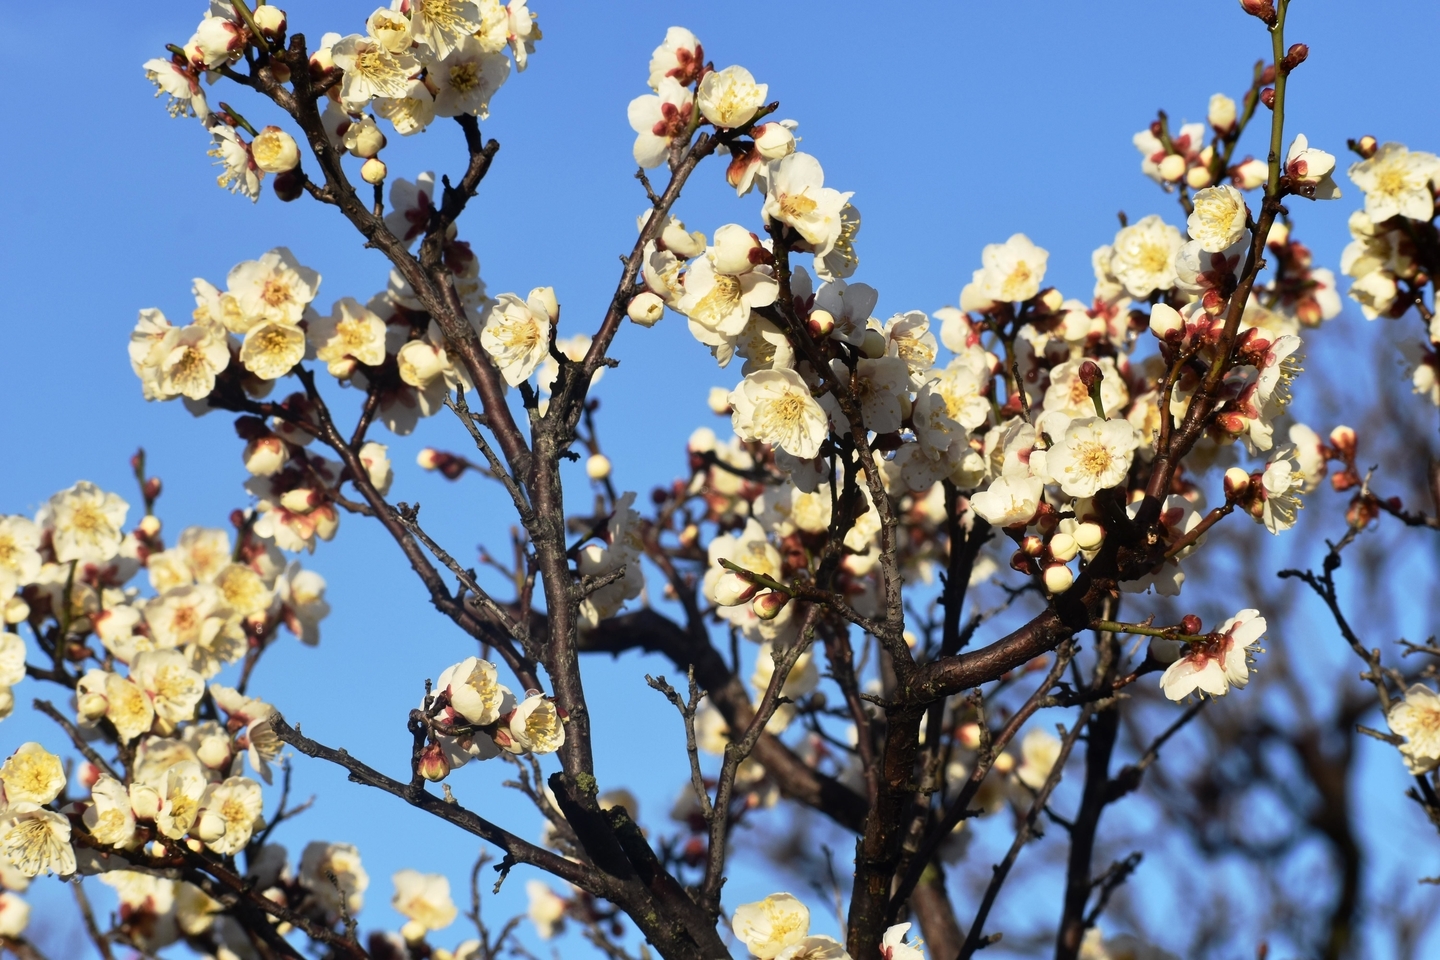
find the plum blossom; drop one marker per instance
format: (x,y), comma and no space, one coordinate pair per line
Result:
(516,335)
(466,78)
(1009,501)
(1012,270)
(681,58)
(441,25)
(660,120)
(1311,169)
(321,861)
(1397,183)
(1218,218)
(769,926)
(894,947)
(1416,717)
(1093,455)
(85,523)
(350,334)
(730,97)
(1219,661)
(36,840)
(719,304)
(371,70)
(179,81)
(424,898)
(776,407)
(32,774)
(239,173)
(1143,256)
(797,197)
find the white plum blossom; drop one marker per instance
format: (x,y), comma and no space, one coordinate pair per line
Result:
(769,926)
(276,287)
(547,908)
(32,774)
(1416,717)
(797,197)
(1143,256)
(535,725)
(424,898)
(1397,183)
(232,153)
(35,840)
(730,97)
(466,79)
(1218,662)
(350,334)
(1009,501)
(1012,270)
(1093,455)
(660,120)
(776,407)
(85,523)
(321,861)
(371,70)
(1311,168)
(1218,218)
(181,83)
(719,304)
(894,947)
(681,58)
(516,335)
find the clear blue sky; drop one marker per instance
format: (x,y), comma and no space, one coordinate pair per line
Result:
(956,124)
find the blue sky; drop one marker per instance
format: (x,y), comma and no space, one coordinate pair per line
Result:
(955,124)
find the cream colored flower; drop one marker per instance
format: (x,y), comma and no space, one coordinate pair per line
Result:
(1417,719)
(271,349)
(442,25)
(1038,751)
(174,688)
(85,523)
(424,898)
(1009,501)
(36,840)
(241,590)
(14,915)
(1218,218)
(475,693)
(109,817)
(1397,182)
(1012,271)
(770,925)
(516,335)
(797,196)
(536,725)
(1143,256)
(466,79)
(1218,662)
(12,659)
(19,553)
(350,334)
(730,98)
(177,617)
(371,70)
(1094,455)
(128,707)
(320,861)
(818,947)
(32,774)
(547,908)
(181,790)
(719,304)
(206,550)
(229,813)
(190,358)
(275,288)
(775,407)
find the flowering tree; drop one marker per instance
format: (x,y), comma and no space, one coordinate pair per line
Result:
(979,547)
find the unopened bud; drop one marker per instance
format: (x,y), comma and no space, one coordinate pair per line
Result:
(1032,546)
(767,606)
(874,345)
(1237,483)
(544,297)
(275,151)
(327,521)
(1198,178)
(1264,9)
(288,186)
(211,826)
(597,467)
(736,250)
(149,525)
(1090,374)
(1089,535)
(301,500)
(646,309)
(970,735)
(1004,763)
(820,324)
(679,242)
(1172,168)
(774,141)
(1278,236)
(1063,547)
(144,801)
(1342,438)
(321,61)
(1267,97)
(1295,56)
(271,21)
(1166,322)
(1058,578)
(1366,146)
(89,775)
(719,401)
(373,171)
(152,488)
(91,706)
(1250,174)
(433,764)
(732,590)
(1222,113)
(1190,624)
(428,458)
(413,931)
(690,535)
(16,610)
(363,139)
(1051,300)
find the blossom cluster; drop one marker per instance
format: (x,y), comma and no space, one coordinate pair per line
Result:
(415,61)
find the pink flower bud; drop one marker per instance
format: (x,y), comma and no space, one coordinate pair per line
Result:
(767,606)
(288,186)
(1343,439)
(1190,624)
(1032,546)
(1267,97)
(970,736)
(1090,373)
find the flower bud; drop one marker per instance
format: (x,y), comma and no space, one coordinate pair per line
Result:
(679,242)
(1090,374)
(1063,547)
(271,21)
(321,61)
(767,606)
(1296,55)
(907,406)
(1250,174)
(214,752)
(1051,300)
(1222,113)
(89,775)
(774,140)
(1004,763)
(874,345)
(719,401)
(1278,236)
(327,521)
(16,610)
(646,309)
(690,535)
(732,590)
(144,801)
(363,139)
(1264,9)
(1198,178)
(433,764)
(210,827)
(970,735)
(1172,168)
(1166,322)
(90,706)
(1058,578)
(413,931)
(1032,546)
(820,324)
(1191,624)
(300,500)
(1342,438)
(373,171)
(1267,97)
(735,250)
(1366,146)
(544,297)
(288,186)
(149,525)
(265,456)
(1237,483)
(275,151)
(1089,535)
(428,458)
(597,467)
